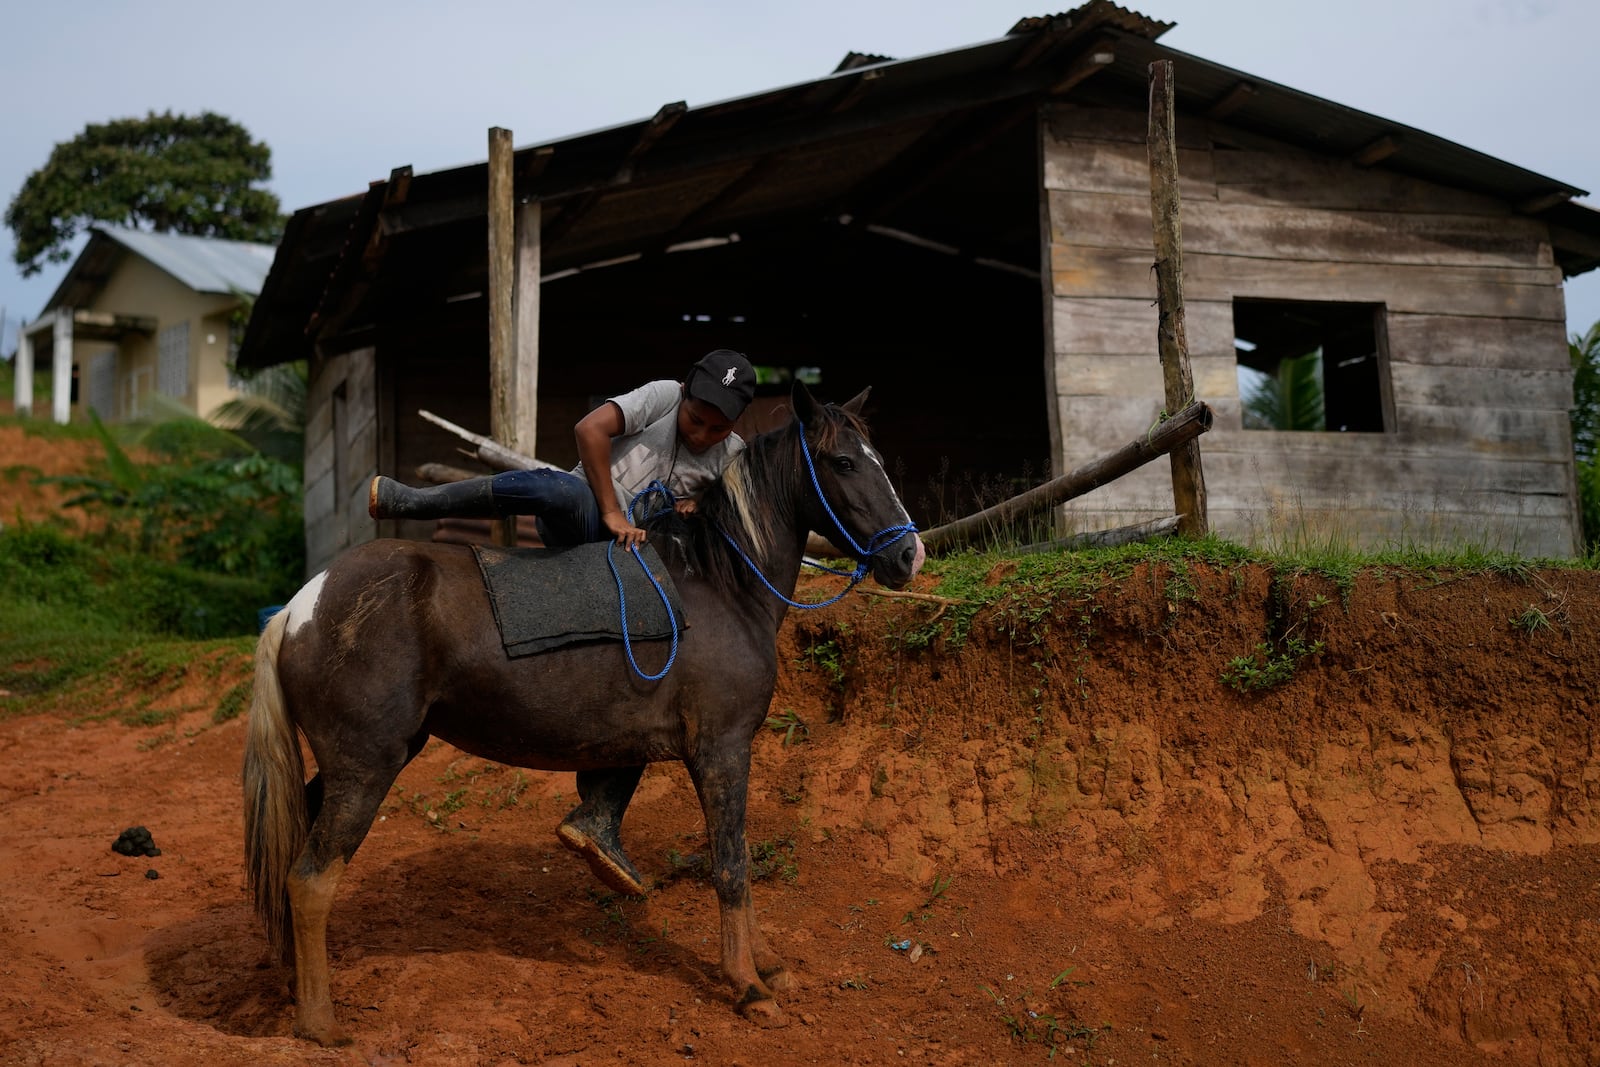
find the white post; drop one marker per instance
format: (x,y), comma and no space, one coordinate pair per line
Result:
(61,369)
(22,381)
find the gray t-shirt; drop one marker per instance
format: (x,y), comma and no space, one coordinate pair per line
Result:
(648,448)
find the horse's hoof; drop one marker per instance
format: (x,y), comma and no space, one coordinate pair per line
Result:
(328,1035)
(609,864)
(765,1013)
(780,980)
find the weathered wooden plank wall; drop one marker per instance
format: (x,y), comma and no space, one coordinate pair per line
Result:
(1479,451)
(341,455)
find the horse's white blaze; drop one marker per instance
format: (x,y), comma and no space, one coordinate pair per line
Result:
(877,461)
(303,606)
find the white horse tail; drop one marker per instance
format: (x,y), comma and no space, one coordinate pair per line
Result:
(275,820)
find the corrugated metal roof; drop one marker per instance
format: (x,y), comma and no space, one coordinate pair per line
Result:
(204,264)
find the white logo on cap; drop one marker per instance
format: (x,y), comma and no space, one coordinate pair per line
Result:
(727,379)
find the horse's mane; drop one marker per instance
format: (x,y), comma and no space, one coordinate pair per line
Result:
(754,502)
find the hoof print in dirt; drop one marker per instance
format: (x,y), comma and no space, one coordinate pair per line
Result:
(135,841)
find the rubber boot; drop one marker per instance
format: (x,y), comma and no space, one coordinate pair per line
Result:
(593,828)
(472,498)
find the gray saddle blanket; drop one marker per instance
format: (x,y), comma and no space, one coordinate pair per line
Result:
(545,598)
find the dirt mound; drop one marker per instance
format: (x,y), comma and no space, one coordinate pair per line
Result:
(1069,832)
(27,458)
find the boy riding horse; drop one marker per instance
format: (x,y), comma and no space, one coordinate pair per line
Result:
(680,434)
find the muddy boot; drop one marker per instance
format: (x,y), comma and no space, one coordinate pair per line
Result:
(593,828)
(472,498)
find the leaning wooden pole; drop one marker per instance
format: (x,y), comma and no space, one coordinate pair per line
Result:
(1165,438)
(502,325)
(1188,480)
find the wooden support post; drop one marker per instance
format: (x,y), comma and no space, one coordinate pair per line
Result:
(503,414)
(1188,480)
(525,336)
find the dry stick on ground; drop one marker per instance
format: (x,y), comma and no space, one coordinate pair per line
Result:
(1182,428)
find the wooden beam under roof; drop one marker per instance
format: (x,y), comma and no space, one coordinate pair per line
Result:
(1376,151)
(1083,67)
(1239,95)
(753,175)
(1544,202)
(974,137)
(648,138)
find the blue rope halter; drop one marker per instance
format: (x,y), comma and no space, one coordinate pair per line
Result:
(887,536)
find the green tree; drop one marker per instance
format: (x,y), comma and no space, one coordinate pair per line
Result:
(196,175)
(1585,352)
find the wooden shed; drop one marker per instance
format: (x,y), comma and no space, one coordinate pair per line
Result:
(969,233)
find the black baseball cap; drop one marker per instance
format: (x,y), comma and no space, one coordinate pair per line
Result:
(724,379)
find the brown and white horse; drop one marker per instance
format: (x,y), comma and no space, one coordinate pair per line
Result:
(396,642)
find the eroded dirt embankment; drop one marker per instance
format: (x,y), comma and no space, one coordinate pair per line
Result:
(1421,797)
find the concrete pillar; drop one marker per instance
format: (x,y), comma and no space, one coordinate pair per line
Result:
(22,382)
(61,369)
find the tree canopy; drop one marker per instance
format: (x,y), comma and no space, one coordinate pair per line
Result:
(169,173)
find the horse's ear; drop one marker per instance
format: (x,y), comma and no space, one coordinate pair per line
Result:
(857,402)
(801,401)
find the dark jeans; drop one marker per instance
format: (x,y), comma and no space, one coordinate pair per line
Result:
(562,502)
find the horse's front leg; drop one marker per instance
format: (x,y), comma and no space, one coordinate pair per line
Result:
(769,965)
(722,782)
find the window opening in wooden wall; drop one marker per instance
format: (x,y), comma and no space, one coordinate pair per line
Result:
(1309,365)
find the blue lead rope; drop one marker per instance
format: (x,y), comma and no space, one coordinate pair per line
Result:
(622,597)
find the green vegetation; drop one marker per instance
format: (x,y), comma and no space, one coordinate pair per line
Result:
(191,534)
(1291,398)
(1268,666)
(1029,593)
(1041,1026)
(205,501)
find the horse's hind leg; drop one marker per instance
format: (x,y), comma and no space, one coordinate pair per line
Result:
(593,828)
(310,900)
(349,804)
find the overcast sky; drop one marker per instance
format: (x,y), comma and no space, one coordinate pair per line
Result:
(343,91)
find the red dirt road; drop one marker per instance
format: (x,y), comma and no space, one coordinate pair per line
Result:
(1065,834)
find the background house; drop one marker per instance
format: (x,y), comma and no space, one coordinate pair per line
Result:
(968,232)
(140,314)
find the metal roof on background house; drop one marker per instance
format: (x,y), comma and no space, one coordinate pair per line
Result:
(848,143)
(204,264)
